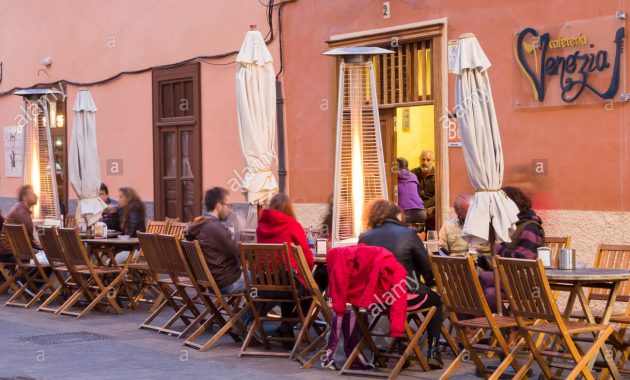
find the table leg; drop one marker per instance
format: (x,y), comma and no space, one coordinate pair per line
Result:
(608,310)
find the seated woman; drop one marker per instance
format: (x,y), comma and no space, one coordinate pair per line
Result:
(409,199)
(278,225)
(526,238)
(131,217)
(131,212)
(385,230)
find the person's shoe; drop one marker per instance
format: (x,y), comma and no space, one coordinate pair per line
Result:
(361,363)
(328,360)
(434,358)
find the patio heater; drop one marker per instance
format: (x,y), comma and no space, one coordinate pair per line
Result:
(39,164)
(359,164)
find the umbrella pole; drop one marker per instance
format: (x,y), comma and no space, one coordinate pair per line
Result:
(495,271)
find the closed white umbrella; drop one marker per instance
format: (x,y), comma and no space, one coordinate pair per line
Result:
(256,109)
(84,165)
(481,141)
(491,213)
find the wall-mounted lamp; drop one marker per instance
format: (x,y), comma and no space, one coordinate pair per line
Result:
(60,121)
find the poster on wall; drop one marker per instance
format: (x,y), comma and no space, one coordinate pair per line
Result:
(13,151)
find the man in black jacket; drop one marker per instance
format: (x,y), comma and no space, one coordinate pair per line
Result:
(386,231)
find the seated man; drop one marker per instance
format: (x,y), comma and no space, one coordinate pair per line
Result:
(451,241)
(21,214)
(220,250)
(110,214)
(426,185)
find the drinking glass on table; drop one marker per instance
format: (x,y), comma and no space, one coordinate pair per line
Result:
(432,241)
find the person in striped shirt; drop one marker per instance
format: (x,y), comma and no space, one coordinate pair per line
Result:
(526,238)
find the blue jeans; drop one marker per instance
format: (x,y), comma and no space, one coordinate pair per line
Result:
(237,286)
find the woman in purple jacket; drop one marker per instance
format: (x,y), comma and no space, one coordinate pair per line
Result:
(408,196)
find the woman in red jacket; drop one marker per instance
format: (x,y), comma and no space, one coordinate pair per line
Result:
(278,225)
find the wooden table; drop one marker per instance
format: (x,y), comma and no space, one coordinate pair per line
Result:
(574,282)
(111,246)
(110,235)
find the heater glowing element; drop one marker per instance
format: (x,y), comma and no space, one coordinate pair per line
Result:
(39,164)
(359,164)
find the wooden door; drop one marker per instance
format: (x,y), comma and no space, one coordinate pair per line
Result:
(388,135)
(177,142)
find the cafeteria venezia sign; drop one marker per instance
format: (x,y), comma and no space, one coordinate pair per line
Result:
(582,62)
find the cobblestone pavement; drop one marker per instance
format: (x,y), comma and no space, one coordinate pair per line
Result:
(37,345)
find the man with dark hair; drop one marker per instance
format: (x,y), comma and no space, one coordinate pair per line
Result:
(219,249)
(20,214)
(110,214)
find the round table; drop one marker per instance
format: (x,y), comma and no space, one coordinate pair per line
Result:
(574,282)
(587,275)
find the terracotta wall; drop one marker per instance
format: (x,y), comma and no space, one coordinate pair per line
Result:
(92,40)
(587,147)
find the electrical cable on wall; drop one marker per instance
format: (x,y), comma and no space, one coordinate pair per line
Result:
(269,37)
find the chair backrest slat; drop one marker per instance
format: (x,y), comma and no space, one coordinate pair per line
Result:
(556,243)
(52,246)
(198,265)
(157,227)
(176,229)
(527,289)
(172,251)
(19,241)
(459,285)
(76,253)
(153,253)
(612,256)
(302,264)
(268,265)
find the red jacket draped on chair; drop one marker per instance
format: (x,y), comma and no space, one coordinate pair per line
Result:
(367,276)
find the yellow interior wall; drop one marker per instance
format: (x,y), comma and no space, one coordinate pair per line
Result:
(420,135)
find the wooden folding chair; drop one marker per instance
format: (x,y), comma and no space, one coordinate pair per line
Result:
(163,279)
(461,292)
(140,278)
(96,283)
(71,221)
(29,268)
(267,269)
(556,243)
(177,229)
(59,265)
(8,275)
(319,309)
(614,256)
(530,298)
(225,309)
(368,333)
(182,281)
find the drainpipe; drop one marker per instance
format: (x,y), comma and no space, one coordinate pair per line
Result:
(282,171)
